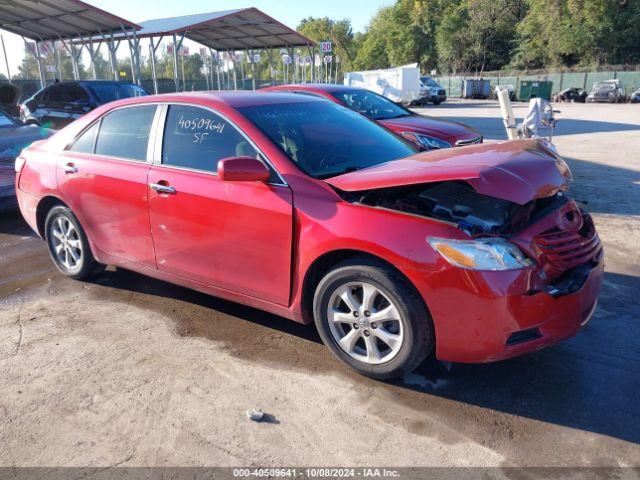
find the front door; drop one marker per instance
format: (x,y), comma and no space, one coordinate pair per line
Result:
(233,235)
(104,178)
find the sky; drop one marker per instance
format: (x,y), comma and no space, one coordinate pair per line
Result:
(289,12)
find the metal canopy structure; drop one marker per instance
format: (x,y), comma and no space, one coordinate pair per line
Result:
(246,29)
(241,29)
(43,20)
(74,25)
(57,20)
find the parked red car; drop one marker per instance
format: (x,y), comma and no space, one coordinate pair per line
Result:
(303,208)
(428,132)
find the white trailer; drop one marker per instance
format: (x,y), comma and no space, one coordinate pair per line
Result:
(401,84)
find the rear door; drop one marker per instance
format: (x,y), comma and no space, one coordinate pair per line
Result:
(234,235)
(54,114)
(77,102)
(103,176)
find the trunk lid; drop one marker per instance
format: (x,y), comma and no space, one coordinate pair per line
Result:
(518,171)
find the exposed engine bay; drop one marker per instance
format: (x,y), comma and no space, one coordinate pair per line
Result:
(457,202)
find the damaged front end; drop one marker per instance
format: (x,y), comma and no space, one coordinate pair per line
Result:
(509,199)
(458,203)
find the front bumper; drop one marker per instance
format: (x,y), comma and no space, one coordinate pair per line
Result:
(488,316)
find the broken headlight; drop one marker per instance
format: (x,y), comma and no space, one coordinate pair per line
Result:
(489,253)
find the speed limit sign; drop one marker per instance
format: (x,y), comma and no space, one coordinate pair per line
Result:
(325,47)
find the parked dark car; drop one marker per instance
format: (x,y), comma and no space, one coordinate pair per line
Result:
(635,96)
(14,136)
(59,104)
(572,94)
(609,91)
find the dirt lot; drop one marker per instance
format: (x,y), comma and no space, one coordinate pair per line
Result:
(132,371)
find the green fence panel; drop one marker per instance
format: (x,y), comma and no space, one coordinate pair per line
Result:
(630,81)
(572,80)
(593,77)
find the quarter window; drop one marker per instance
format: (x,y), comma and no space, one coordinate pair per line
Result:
(86,142)
(124,133)
(197,138)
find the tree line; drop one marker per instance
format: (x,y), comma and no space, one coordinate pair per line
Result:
(484,35)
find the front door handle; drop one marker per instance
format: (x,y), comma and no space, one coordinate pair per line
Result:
(160,188)
(70,168)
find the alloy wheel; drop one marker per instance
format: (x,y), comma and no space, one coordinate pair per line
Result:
(365,323)
(66,242)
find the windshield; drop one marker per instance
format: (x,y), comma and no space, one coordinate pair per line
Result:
(325,139)
(429,82)
(109,92)
(371,105)
(6,121)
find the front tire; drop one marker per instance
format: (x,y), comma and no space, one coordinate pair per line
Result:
(68,245)
(372,319)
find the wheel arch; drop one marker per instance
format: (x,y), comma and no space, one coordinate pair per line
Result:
(44,206)
(325,262)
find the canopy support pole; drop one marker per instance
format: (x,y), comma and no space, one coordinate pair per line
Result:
(214,63)
(56,48)
(270,59)
(176,46)
(112,46)
(92,55)
(253,70)
(235,78)
(313,64)
(6,60)
(40,67)
(152,56)
(242,68)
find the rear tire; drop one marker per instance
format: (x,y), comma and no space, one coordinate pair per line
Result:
(68,245)
(373,319)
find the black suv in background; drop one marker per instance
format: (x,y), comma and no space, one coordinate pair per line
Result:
(61,103)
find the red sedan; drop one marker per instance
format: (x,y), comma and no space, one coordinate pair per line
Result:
(304,208)
(428,132)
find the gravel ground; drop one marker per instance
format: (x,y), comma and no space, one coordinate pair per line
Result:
(133,371)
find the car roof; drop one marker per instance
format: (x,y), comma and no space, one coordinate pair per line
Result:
(234,99)
(87,82)
(317,87)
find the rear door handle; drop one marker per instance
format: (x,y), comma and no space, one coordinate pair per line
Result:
(70,168)
(158,187)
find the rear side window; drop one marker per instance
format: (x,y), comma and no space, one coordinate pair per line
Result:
(198,138)
(124,133)
(76,94)
(86,142)
(55,97)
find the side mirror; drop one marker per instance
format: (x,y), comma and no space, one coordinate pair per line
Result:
(242,169)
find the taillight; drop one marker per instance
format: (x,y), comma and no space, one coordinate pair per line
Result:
(20,162)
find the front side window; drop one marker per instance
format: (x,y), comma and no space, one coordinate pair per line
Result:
(197,138)
(86,142)
(371,104)
(325,139)
(124,133)
(6,121)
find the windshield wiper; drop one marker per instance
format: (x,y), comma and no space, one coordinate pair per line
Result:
(407,114)
(340,172)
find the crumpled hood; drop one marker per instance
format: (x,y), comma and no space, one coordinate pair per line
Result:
(430,126)
(518,171)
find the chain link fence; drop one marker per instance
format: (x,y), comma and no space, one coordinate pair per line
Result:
(630,80)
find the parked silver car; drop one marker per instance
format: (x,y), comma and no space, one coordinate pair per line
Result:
(608,91)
